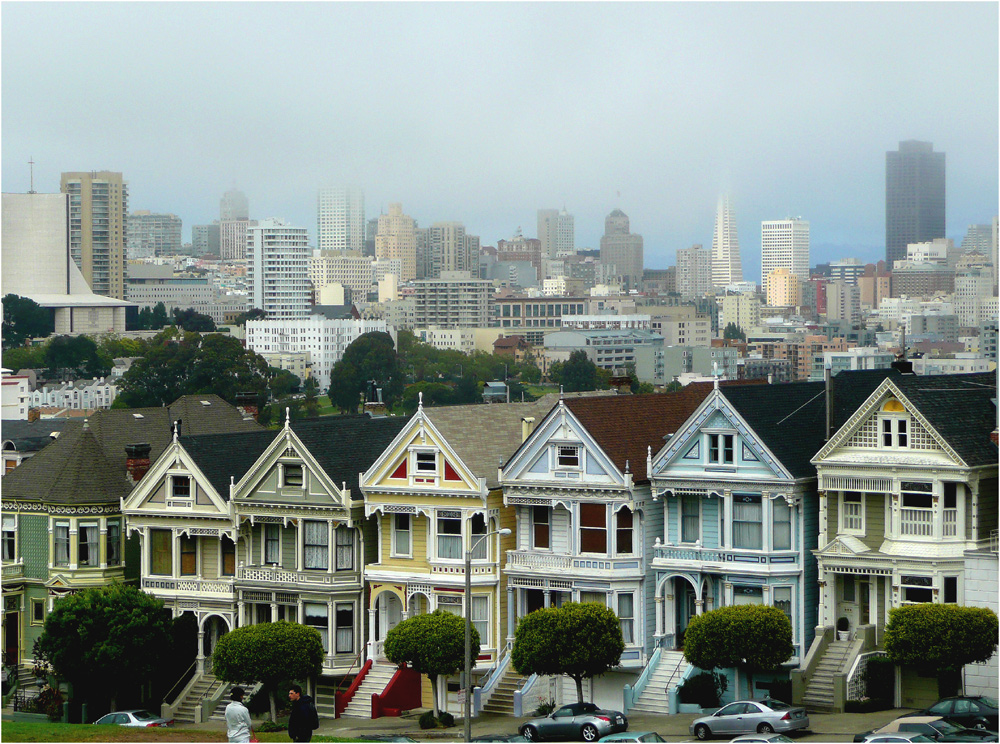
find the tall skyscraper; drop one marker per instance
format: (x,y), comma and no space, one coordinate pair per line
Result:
(278,269)
(694,272)
(98,228)
(152,234)
(726,265)
(396,238)
(557,232)
(445,246)
(914,197)
(784,244)
(623,249)
(234,206)
(205,239)
(340,221)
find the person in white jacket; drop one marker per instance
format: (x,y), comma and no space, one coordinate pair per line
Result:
(238,717)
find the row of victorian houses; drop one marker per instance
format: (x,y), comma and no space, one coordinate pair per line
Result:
(829,500)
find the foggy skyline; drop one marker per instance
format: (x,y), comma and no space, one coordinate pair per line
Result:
(486,113)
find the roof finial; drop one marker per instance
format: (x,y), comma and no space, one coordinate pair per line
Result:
(626,466)
(288,416)
(560,392)
(175,432)
(420,402)
(86,424)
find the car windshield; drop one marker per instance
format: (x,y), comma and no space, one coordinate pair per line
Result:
(946,727)
(652,736)
(143,715)
(776,704)
(991,702)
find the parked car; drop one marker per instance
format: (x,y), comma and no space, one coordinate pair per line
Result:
(136,718)
(634,736)
(897,738)
(499,738)
(971,711)
(764,716)
(575,722)
(934,727)
(763,738)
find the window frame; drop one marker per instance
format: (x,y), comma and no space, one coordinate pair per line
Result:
(61,538)
(682,516)
(626,621)
(325,545)
(270,541)
(926,585)
(721,444)
(113,542)
(9,536)
(36,602)
(748,498)
(188,551)
(476,605)
(324,630)
(343,549)
(338,608)
(845,526)
(420,463)
(535,525)
(480,552)
(227,558)
(620,531)
(448,537)
(780,503)
(585,530)
(176,479)
(166,562)
(394,550)
(570,452)
(299,475)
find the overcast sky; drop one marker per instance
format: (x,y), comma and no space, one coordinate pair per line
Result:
(485,113)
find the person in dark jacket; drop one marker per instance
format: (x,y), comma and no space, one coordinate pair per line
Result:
(303,719)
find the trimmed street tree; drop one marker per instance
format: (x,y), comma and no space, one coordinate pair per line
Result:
(754,638)
(432,644)
(580,640)
(941,639)
(270,653)
(107,640)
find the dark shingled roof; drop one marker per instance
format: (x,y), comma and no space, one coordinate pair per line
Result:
(626,425)
(790,418)
(111,430)
(961,409)
(343,446)
(31,436)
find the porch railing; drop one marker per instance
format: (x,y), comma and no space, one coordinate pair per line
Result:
(916,522)
(856,684)
(631,693)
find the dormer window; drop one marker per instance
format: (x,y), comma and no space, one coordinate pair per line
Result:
(292,475)
(895,427)
(568,456)
(181,486)
(720,449)
(426,462)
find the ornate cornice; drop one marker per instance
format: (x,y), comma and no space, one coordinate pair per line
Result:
(60,509)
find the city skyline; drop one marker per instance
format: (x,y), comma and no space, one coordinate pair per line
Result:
(804,129)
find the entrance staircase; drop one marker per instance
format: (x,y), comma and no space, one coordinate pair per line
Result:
(203,686)
(818,695)
(501,701)
(375,681)
(668,674)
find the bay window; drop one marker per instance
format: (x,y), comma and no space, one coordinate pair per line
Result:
(316,541)
(743,595)
(113,542)
(272,544)
(317,616)
(950,514)
(593,528)
(61,539)
(600,598)
(477,527)
(626,616)
(747,518)
(781,524)
(783,601)
(345,628)
(401,535)
(481,618)
(852,515)
(690,518)
(345,548)
(916,516)
(541,527)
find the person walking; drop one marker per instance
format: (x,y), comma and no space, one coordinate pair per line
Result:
(238,726)
(303,719)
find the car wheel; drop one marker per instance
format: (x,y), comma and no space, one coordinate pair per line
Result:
(589,732)
(765,728)
(980,724)
(529,733)
(702,732)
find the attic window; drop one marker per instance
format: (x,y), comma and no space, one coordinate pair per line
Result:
(426,462)
(568,457)
(293,475)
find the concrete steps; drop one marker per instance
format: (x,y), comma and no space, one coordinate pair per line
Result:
(818,695)
(186,707)
(668,673)
(375,681)
(501,702)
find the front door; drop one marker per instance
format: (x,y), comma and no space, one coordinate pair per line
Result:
(11,637)
(864,602)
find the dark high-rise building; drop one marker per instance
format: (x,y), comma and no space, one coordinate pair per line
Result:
(914,197)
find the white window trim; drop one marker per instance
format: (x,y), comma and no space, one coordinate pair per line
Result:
(419,473)
(842,521)
(531,528)
(12,516)
(721,463)
(896,418)
(263,544)
(483,642)
(191,485)
(393,550)
(680,520)
(556,446)
(281,476)
(462,535)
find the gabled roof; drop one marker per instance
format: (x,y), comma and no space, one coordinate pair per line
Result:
(790,418)
(224,456)
(625,426)
(486,436)
(961,409)
(31,436)
(346,446)
(112,430)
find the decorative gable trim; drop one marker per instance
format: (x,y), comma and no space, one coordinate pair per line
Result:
(861,429)
(174,457)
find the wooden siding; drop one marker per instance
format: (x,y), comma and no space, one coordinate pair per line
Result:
(808,613)
(987,507)
(561,526)
(419,526)
(875,507)
(210,550)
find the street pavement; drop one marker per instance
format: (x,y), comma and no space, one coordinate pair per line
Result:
(832,727)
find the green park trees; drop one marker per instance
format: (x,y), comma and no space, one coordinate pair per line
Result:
(578,640)
(578,373)
(432,644)
(370,359)
(754,638)
(940,639)
(24,319)
(270,653)
(107,641)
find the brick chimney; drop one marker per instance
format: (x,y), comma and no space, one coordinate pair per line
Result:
(137,460)
(34,414)
(246,403)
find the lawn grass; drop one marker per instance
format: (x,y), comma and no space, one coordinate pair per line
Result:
(20,731)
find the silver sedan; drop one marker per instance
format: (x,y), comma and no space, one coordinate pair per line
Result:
(762,716)
(575,722)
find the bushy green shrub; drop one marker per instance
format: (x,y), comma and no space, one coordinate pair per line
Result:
(545,708)
(704,689)
(49,702)
(427,720)
(446,719)
(268,726)
(781,689)
(880,678)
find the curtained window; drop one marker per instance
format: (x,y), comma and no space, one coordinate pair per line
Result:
(690,518)
(317,616)
(113,542)
(189,556)
(747,517)
(345,548)
(9,537)
(781,521)
(345,628)
(478,528)
(88,546)
(481,618)
(593,528)
(449,538)
(783,600)
(316,539)
(272,543)
(626,616)
(161,553)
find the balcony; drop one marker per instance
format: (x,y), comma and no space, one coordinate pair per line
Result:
(269,575)
(521,561)
(13,570)
(668,556)
(169,586)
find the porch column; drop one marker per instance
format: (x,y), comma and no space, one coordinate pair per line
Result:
(239,612)
(274,612)
(972,490)
(821,617)
(873,602)
(547,594)
(699,606)
(175,553)
(659,616)
(511,610)
(201,650)
(299,545)
(331,540)
(371,632)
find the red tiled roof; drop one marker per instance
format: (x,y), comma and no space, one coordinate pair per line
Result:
(625,425)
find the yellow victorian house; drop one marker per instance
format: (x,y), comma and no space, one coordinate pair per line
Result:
(433,494)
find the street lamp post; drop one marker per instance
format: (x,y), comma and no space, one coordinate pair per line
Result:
(468,628)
